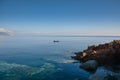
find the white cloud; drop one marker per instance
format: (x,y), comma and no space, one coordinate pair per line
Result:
(4,31)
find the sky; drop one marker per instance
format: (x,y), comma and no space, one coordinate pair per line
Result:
(60,17)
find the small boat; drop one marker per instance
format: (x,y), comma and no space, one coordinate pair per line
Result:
(56,41)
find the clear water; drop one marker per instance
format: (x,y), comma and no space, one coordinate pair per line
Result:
(39,58)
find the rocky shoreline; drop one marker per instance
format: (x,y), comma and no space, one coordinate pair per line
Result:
(106,55)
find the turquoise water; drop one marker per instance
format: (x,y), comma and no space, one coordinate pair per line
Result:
(39,58)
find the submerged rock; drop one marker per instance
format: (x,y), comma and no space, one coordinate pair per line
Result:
(89,65)
(13,71)
(102,76)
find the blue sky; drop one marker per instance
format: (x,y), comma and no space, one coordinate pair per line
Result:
(61,17)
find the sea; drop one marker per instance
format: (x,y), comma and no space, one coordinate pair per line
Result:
(40,58)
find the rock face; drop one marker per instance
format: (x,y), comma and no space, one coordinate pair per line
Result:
(107,54)
(89,65)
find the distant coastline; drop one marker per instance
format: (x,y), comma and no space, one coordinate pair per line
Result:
(69,35)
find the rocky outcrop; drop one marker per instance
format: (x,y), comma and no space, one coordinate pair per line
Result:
(107,54)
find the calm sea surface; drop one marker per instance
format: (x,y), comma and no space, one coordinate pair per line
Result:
(39,58)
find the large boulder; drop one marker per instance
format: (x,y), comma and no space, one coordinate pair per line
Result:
(89,65)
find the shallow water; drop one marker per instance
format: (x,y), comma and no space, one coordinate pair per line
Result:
(39,58)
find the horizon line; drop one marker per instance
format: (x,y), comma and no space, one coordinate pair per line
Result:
(74,35)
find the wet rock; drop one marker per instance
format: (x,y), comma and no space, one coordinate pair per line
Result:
(103,74)
(89,65)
